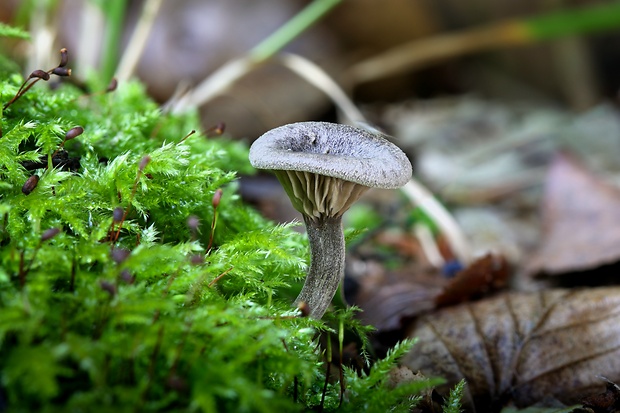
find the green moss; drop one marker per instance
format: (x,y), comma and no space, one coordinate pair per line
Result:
(125,318)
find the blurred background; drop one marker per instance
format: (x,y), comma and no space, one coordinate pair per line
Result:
(575,69)
(508,110)
(482,95)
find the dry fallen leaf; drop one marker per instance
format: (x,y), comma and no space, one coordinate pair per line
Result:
(523,347)
(581,215)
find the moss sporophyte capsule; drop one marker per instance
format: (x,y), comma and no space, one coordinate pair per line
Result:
(30,185)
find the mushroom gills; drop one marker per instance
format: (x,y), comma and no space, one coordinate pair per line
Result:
(319,196)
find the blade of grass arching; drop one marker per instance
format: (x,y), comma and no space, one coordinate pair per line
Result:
(291,29)
(230,72)
(114,11)
(421,53)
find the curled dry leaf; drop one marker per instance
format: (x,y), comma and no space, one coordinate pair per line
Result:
(523,347)
(486,274)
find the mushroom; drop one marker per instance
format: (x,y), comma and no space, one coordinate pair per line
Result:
(324,168)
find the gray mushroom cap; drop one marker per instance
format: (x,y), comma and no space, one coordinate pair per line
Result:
(330,149)
(325,167)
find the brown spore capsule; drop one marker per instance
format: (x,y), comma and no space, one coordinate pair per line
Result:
(127,277)
(120,254)
(64,57)
(49,234)
(108,287)
(217,197)
(30,184)
(74,133)
(112,85)
(61,71)
(41,74)
(117,214)
(193,222)
(197,259)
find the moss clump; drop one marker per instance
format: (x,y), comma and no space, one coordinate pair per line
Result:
(110,301)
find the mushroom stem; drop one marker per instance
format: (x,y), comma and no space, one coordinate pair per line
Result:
(326,239)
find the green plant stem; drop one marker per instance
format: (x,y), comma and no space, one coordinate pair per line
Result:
(293,28)
(235,69)
(327,248)
(328,357)
(213,224)
(115,14)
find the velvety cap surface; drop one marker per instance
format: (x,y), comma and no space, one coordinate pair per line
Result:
(334,150)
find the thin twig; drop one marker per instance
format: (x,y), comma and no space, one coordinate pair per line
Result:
(428,244)
(498,35)
(219,277)
(421,53)
(422,197)
(214,85)
(317,77)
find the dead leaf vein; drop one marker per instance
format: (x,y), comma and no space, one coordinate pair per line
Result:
(578,323)
(567,365)
(450,352)
(487,352)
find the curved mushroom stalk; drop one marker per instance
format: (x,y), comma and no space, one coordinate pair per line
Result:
(327,251)
(322,200)
(325,168)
